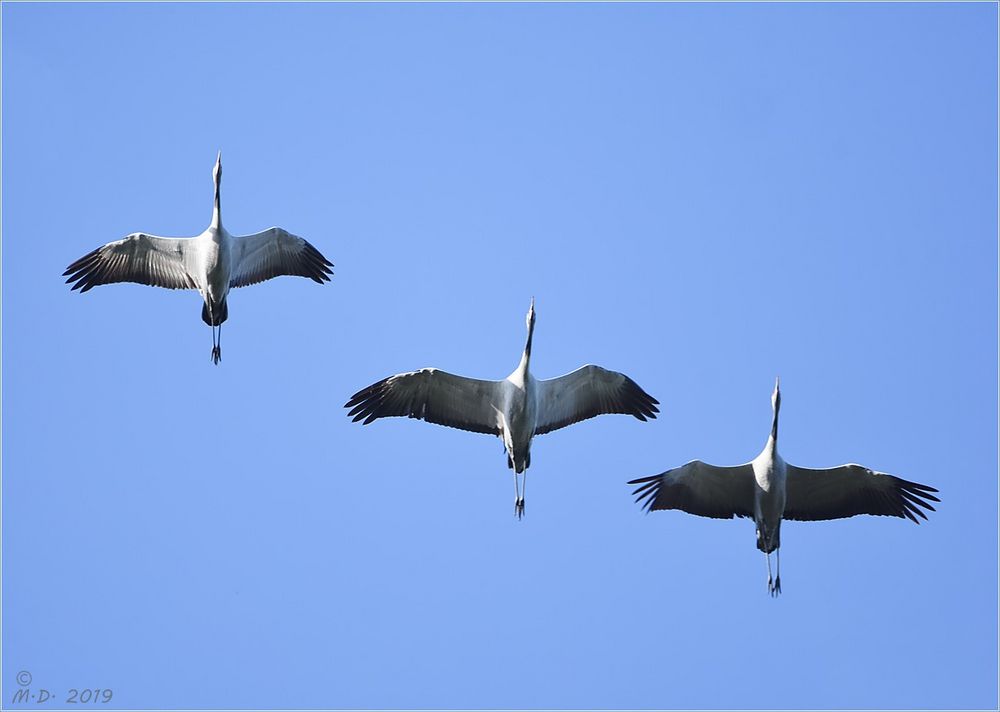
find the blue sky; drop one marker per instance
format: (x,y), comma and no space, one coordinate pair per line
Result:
(701,196)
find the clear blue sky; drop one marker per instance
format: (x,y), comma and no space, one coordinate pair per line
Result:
(701,196)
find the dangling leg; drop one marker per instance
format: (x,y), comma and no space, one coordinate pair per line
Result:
(770,581)
(517,496)
(777,578)
(218,346)
(519,503)
(211,323)
(215,346)
(524,486)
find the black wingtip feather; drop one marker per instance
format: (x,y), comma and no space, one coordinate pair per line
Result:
(642,405)
(641,480)
(647,491)
(80,273)
(366,403)
(914,498)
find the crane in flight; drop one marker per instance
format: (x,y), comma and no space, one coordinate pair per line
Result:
(768,490)
(212,263)
(515,409)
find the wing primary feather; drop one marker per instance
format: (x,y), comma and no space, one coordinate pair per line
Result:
(917,500)
(851,490)
(140,258)
(430,395)
(647,492)
(275,252)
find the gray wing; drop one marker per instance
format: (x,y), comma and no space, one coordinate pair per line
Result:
(139,258)
(848,490)
(587,392)
(434,396)
(275,252)
(701,489)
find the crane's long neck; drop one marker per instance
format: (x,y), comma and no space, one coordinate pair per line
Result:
(217,209)
(773,440)
(526,356)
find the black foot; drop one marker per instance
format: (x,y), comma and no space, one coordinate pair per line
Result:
(774,587)
(519,507)
(216,354)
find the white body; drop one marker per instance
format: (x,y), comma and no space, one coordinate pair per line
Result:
(211,258)
(770,476)
(519,412)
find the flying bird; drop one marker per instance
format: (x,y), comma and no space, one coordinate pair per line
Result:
(514,409)
(213,263)
(768,489)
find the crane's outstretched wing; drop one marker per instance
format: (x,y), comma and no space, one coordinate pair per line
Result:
(848,490)
(139,258)
(699,488)
(434,396)
(588,392)
(275,252)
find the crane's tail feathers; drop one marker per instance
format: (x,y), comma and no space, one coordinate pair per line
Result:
(219,318)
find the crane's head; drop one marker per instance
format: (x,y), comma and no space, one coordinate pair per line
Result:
(530,318)
(776,396)
(217,170)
